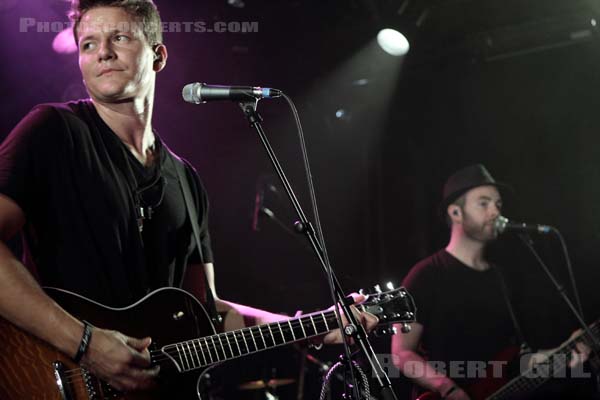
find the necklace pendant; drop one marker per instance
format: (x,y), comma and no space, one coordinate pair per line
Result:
(140,219)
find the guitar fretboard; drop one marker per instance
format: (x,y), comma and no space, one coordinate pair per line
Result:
(201,352)
(555,365)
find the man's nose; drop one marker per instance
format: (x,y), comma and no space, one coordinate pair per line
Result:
(106,51)
(495,210)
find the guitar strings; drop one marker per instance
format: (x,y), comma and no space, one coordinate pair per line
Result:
(245,333)
(172,351)
(556,366)
(518,384)
(73,374)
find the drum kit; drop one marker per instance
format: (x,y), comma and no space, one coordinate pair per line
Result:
(269,387)
(266,389)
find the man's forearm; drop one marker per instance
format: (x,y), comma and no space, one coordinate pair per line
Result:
(25,304)
(415,367)
(238,316)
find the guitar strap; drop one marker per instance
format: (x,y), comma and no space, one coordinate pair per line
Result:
(525,347)
(193,217)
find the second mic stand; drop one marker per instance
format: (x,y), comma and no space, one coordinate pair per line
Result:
(303,225)
(526,239)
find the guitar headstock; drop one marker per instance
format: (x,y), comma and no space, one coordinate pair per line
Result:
(390,306)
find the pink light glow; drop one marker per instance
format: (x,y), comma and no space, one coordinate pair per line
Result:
(64,42)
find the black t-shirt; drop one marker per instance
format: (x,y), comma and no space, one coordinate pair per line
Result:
(464,313)
(79,187)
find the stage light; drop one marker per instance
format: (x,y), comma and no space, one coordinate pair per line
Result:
(343,115)
(64,42)
(393,42)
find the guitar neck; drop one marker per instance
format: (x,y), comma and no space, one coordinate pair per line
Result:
(555,366)
(202,352)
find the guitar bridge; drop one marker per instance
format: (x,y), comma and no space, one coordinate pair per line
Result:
(89,384)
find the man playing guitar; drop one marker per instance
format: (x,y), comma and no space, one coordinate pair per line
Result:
(464,313)
(97,194)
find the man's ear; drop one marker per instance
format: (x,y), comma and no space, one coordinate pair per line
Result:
(455,213)
(160,57)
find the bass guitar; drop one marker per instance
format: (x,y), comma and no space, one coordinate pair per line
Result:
(531,378)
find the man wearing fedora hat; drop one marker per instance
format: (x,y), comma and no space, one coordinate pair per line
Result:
(464,313)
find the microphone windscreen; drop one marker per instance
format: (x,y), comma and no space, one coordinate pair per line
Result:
(189,93)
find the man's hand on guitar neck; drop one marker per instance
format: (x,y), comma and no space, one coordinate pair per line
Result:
(238,316)
(121,361)
(582,351)
(367,320)
(579,354)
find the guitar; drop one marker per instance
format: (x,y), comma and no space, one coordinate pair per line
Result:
(532,378)
(184,343)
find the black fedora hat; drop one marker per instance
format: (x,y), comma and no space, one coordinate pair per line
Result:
(464,180)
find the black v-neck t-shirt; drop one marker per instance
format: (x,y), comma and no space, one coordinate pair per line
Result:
(463,311)
(79,187)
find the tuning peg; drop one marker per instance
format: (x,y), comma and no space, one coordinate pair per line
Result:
(404,327)
(378,289)
(361,291)
(384,331)
(390,286)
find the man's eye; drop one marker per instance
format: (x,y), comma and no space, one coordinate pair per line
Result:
(87,46)
(121,38)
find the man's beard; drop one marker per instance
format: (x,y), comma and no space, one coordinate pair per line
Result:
(485,232)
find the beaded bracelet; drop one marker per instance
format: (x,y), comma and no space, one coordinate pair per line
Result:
(86,338)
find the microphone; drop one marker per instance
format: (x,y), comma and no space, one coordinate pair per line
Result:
(503,224)
(201,93)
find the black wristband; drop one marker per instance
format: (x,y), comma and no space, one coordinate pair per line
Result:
(452,389)
(86,338)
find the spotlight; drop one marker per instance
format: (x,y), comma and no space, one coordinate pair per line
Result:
(393,42)
(64,42)
(343,115)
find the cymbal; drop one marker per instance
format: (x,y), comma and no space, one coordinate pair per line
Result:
(260,384)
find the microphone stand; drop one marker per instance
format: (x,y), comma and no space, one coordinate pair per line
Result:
(526,239)
(303,225)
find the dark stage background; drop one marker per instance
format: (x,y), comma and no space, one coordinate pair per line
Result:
(510,84)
